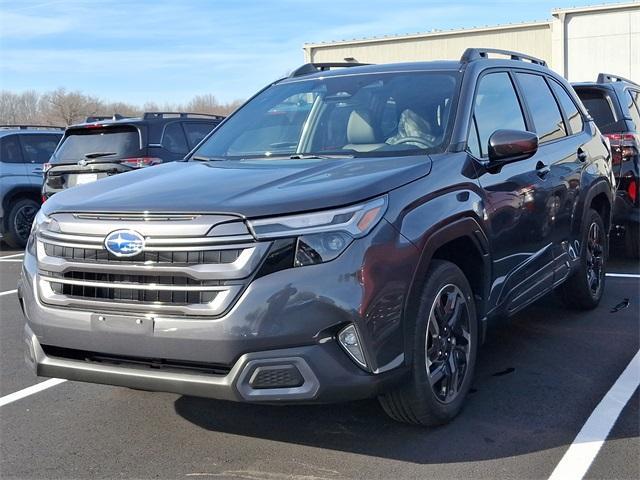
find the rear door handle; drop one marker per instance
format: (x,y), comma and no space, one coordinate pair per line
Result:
(37,170)
(542,170)
(582,155)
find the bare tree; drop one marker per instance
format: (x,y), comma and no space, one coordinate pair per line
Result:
(62,107)
(69,107)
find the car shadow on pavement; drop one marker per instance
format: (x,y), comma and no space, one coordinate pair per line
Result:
(537,381)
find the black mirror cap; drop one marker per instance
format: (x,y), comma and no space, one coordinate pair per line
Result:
(512,145)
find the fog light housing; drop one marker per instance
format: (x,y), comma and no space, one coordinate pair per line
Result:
(349,340)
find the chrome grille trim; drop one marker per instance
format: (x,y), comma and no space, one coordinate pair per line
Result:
(135,286)
(147,217)
(220,303)
(76,271)
(152,244)
(242,267)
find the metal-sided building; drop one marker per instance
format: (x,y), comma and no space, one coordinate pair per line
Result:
(576,42)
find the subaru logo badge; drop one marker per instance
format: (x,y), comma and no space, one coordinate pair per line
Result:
(124,243)
(82,163)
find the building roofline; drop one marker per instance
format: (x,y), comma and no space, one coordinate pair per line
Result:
(594,8)
(436,33)
(443,33)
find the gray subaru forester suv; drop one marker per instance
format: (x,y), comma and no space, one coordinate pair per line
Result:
(347,233)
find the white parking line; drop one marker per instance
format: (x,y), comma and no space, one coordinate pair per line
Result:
(585,447)
(38,387)
(8,292)
(8,260)
(11,256)
(624,275)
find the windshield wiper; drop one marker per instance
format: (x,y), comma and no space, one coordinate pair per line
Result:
(313,156)
(99,154)
(199,158)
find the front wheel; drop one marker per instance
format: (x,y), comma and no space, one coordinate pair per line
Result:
(583,290)
(445,335)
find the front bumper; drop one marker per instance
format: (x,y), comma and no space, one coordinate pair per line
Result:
(323,376)
(288,318)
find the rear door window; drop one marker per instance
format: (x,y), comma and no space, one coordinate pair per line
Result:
(99,143)
(196,131)
(38,148)
(173,138)
(496,107)
(571,112)
(10,151)
(545,113)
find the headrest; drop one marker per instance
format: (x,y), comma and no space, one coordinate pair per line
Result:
(359,129)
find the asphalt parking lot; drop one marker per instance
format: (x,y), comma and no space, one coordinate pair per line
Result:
(538,381)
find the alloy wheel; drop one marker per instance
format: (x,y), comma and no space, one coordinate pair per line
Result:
(23,220)
(595,258)
(448,343)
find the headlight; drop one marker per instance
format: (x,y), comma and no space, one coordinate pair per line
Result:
(40,222)
(316,237)
(356,221)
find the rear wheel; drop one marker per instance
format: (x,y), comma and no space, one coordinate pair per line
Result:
(19,221)
(583,290)
(444,351)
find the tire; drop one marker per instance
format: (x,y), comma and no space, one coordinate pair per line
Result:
(631,241)
(423,400)
(583,290)
(19,220)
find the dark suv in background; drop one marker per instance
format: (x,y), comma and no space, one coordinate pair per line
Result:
(346,233)
(614,104)
(105,146)
(24,149)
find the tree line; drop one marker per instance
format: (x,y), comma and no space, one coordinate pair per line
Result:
(61,107)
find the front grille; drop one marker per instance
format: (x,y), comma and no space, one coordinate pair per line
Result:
(190,272)
(165,364)
(85,290)
(164,257)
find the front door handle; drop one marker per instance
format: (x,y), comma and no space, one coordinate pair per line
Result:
(542,170)
(37,170)
(582,155)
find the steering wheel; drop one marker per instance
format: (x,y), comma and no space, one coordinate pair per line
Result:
(420,141)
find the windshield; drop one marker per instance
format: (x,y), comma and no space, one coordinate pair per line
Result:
(385,114)
(98,144)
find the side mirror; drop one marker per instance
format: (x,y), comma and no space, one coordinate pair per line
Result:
(511,145)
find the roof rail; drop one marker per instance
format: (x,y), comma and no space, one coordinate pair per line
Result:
(308,68)
(471,54)
(152,115)
(100,118)
(33,127)
(610,77)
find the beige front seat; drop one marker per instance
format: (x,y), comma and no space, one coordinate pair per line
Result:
(360,133)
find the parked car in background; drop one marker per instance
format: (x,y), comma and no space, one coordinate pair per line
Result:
(347,233)
(614,104)
(105,146)
(24,149)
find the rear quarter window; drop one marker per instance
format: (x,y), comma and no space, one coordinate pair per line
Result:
(196,131)
(602,108)
(631,99)
(121,142)
(38,148)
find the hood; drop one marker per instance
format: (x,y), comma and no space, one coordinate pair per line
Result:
(249,188)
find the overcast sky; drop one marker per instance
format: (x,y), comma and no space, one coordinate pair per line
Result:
(169,50)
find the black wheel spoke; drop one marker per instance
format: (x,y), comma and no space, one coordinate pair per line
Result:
(448,343)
